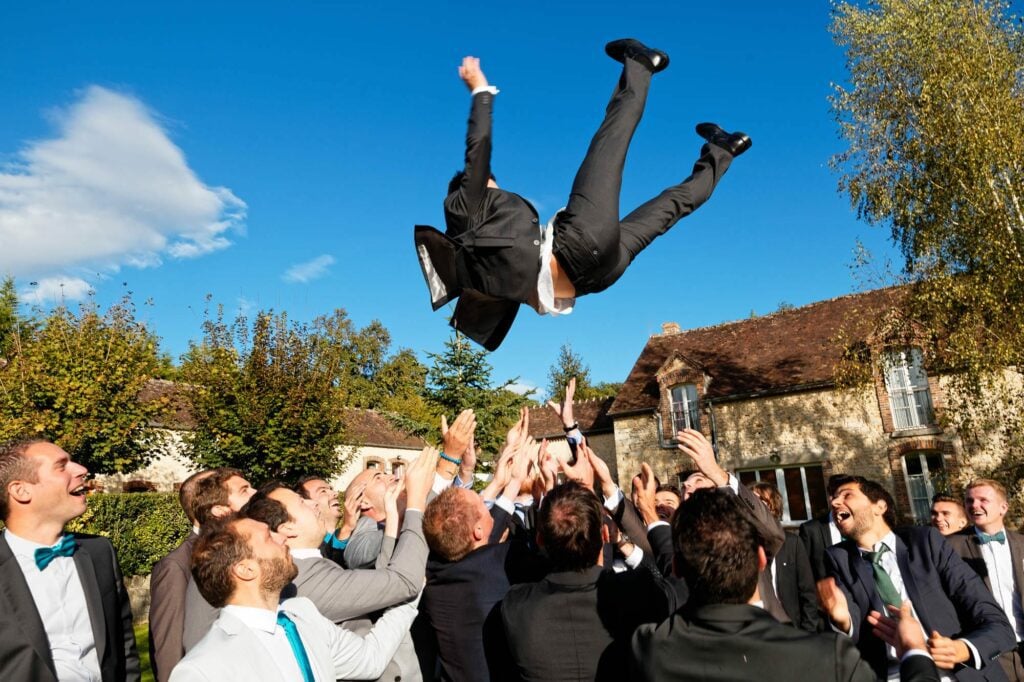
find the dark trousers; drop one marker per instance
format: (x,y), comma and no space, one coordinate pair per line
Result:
(590,242)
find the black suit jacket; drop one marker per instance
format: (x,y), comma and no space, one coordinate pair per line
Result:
(731,642)
(24,647)
(966,544)
(795,584)
(578,625)
(947,596)
(817,538)
(489,255)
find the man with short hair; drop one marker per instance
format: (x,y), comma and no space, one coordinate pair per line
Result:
(64,611)
(722,633)
(877,567)
(168,585)
(495,254)
(241,568)
(820,533)
(326,498)
(948,515)
(997,556)
(591,610)
(218,495)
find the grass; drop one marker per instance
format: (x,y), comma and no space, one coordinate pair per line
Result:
(142,642)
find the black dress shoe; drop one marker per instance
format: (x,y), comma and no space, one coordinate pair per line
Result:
(734,143)
(628,48)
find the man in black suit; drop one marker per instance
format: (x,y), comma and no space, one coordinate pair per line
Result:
(64,611)
(168,584)
(790,569)
(997,556)
(496,255)
(723,633)
(576,623)
(876,567)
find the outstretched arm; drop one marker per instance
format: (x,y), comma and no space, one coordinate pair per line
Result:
(468,198)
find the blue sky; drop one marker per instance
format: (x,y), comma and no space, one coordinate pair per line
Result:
(277,155)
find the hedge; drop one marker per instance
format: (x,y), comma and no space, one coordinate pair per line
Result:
(143,527)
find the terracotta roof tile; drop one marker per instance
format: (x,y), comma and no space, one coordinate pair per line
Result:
(369,427)
(782,351)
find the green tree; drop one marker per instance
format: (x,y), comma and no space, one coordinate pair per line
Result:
(568,365)
(933,114)
(76,379)
(460,378)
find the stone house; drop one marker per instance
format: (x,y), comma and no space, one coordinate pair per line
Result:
(763,390)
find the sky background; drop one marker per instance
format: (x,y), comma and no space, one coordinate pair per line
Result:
(277,155)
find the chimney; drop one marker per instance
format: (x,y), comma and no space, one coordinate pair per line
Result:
(670,328)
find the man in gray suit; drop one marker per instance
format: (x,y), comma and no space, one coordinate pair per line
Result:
(343,595)
(64,612)
(241,567)
(168,584)
(997,555)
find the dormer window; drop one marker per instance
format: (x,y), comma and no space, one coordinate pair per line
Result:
(685,407)
(907,385)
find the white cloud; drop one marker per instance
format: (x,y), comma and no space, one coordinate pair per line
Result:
(109,189)
(59,289)
(302,273)
(521,387)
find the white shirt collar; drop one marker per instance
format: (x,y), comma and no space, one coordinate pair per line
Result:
(22,547)
(254,617)
(889,540)
(305,553)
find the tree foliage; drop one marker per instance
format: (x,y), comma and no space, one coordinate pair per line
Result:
(460,378)
(568,365)
(76,379)
(268,397)
(933,114)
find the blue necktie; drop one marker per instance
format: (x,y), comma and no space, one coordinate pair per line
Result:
(999,537)
(44,555)
(295,641)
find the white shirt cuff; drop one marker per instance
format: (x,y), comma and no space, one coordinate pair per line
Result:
(485,88)
(975,661)
(733,483)
(506,504)
(656,524)
(612,503)
(634,559)
(440,483)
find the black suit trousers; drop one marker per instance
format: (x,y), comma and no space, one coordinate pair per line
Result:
(591,243)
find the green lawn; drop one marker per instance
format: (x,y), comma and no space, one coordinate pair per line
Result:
(142,641)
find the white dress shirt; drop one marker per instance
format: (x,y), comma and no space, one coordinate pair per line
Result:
(60,601)
(999,563)
(263,623)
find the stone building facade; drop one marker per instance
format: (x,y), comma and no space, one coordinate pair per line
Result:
(763,390)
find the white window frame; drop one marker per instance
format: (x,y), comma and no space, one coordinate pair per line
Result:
(780,483)
(684,408)
(922,511)
(910,399)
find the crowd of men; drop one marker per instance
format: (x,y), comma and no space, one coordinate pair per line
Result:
(551,572)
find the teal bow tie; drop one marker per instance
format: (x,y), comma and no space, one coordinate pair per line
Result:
(985,538)
(44,555)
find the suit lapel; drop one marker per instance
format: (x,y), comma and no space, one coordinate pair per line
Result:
(1016,541)
(22,607)
(974,552)
(91,588)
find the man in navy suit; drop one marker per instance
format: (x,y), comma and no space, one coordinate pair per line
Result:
(877,566)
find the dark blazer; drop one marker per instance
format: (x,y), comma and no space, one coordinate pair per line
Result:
(168,583)
(947,596)
(489,255)
(24,648)
(460,621)
(817,538)
(578,625)
(795,584)
(966,544)
(731,642)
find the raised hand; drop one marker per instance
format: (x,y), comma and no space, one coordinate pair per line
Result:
(564,409)
(353,501)
(644,489)
(582,471)
(419,478)
(899,629)
(833,602)
(602,474)
(468,467)
(471,74)
(392,513)
(700,451)
(460,435)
